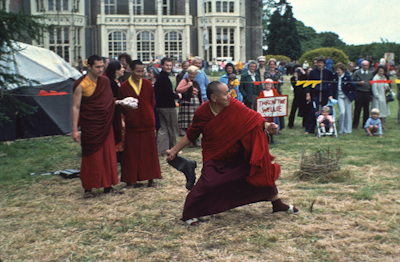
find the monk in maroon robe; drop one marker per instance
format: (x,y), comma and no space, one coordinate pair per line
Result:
(237,165)
(93,107)
(140,159)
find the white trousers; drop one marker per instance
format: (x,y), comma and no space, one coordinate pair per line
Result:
(345,107)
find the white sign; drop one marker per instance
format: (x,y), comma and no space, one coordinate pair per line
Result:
(273,106)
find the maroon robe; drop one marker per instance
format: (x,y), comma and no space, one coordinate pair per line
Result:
(237,168)
(99,162)
(140,159)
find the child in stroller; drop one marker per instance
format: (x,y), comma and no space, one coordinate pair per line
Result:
(326,122)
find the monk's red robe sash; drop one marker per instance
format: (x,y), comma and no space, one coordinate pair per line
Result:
(96,115)
(237,122)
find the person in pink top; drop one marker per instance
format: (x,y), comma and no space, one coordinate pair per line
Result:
(325,121)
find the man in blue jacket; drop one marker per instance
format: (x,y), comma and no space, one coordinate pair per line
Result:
(319,95)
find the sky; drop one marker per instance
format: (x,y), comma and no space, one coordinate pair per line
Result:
(354,21)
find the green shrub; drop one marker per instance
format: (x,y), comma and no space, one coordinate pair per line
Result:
(278,58)
(335,54)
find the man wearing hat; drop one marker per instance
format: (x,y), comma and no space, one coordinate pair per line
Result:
(261,67)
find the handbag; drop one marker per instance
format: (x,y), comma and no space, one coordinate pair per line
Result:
(389,96)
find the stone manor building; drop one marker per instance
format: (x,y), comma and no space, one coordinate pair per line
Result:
(149,29)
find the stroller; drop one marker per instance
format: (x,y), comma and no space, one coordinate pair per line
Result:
(330,104)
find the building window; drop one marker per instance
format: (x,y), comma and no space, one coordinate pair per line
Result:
(54,5)
(207,7)
(173,45)
(116,43)
(59,42)
(210,48)
(145,46)
(225,6)
(77,36)
(39,6)
(3,5)
(77,42)
(65,5)
(75,5)
(218,6)
(165,7)
(110,7)
(50,5)
(225,42)
(138,7)
(231,7)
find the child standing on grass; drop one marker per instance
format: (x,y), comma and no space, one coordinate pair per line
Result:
(373,123)
(270,91)
(325,121)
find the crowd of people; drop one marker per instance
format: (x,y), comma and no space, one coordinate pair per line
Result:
(128,113)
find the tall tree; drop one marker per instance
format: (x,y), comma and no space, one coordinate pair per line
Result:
(283,38)
(330,39)
(266,15)
(274,33)
(308,37)
(15,27)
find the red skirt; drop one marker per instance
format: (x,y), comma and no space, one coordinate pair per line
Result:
(223,186)
(140,159)
(100,169)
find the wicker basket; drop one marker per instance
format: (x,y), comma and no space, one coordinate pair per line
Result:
(319,164)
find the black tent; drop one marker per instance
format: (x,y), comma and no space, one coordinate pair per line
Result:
(53,97)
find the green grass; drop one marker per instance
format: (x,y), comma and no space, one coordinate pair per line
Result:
(354,215)
(23,157)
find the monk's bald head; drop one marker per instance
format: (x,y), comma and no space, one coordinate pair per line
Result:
(213,88)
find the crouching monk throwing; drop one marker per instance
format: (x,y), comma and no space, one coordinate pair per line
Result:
(237,168)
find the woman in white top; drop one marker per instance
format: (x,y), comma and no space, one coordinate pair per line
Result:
(379,93)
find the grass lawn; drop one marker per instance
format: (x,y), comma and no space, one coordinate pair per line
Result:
(353,217)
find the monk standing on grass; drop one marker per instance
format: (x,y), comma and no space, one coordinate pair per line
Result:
(140,159)
(237,166)
(93,106)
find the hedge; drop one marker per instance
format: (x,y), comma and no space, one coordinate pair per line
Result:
(278,58)
(335,54)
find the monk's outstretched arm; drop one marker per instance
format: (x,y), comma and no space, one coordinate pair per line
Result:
(171,154)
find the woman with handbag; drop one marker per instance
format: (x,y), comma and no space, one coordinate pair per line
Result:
(379,93)
(191,99)
(343,89)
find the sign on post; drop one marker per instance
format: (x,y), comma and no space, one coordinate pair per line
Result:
(273,106)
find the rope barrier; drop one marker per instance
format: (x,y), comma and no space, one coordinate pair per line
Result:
(305,83)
